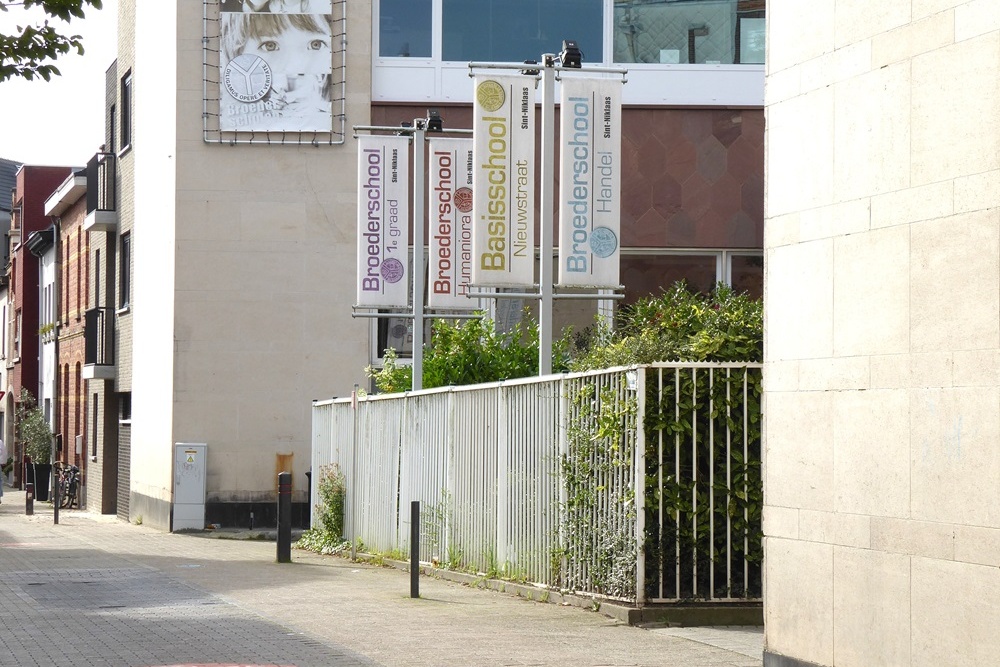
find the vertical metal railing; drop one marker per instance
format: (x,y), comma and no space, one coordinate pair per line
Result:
(101,183)
(98,337)
(555,481)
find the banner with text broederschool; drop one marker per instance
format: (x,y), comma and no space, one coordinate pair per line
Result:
(450,214)
(503,182)
(383,221)
(590,182)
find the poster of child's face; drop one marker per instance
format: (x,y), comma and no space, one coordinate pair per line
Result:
(279,6)
(275,70)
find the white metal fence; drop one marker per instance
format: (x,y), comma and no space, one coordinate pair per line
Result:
(552,481)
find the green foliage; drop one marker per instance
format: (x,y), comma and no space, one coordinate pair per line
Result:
(31,429)
(328,537)
(472,352)
(26,53)
(702,488)
(680,325)
(601,448)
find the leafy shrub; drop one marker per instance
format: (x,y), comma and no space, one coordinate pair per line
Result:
(472,352)
(680,325)
(31,429)
(328,537)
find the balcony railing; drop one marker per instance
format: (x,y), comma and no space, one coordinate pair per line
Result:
(102,209)
(99,344)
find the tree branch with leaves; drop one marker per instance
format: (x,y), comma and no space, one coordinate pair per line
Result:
(29,51)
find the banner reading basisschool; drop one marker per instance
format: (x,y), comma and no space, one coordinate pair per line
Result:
(383,215)
(450,222)
(590,182)
(503,237)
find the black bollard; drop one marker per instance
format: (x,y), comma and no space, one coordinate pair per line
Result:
(29,498)
(415,549)
(284,517)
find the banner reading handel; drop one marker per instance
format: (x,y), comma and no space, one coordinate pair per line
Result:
(590,182)
(450,215)
(383,215)
(503,237)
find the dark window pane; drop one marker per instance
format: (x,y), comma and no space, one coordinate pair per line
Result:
(517,30)
(691,31)
(649,275)
(748,274)
(404,29)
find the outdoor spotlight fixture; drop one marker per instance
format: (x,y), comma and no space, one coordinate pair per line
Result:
(434,121)
(530,72)
(570,56)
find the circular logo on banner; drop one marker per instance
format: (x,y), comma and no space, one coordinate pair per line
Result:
(247,77)
(603,242)
(490,95)
(463,200)
(392,270)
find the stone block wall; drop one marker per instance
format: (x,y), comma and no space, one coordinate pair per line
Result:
(882,297)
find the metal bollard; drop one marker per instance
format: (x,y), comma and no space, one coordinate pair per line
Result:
(285,517)
(29,498)
(415,549)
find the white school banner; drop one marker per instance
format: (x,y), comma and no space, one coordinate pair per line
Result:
(450,216)
(503,181)
(383,221)
(590,182)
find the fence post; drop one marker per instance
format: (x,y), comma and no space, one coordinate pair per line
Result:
(640,488)
(415,549)
(285,517)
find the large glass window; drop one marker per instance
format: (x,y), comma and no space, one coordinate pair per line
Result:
(517,30)
(404,28)
(689,31)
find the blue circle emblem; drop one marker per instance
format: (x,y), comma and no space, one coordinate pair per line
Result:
(603,242)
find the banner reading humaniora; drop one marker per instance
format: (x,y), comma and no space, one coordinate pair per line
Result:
(503,182)
(450,211)
(590,182)
(383,221)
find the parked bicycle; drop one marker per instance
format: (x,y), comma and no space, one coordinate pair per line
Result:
(69,484)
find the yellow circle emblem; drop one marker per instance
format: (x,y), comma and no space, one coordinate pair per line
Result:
(490,95)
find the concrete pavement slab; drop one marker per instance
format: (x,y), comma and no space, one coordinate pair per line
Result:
(94,590)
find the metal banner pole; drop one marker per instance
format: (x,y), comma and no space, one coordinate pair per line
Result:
(545,221)
(418,253)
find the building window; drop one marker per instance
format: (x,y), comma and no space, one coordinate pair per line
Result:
(126,102)
(513,30)
(664,32)
(125,408)
(125,263)
(694,32)
(648,272)
(112,128)
(93,428)
(97,278)
(404,29)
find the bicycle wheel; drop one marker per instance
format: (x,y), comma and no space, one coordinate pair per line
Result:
(65,499)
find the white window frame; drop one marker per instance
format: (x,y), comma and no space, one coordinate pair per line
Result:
(431,80)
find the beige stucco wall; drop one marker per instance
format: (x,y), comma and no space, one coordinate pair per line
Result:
(882,346)
(244,263)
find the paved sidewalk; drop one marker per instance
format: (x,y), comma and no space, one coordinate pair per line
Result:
(97,591)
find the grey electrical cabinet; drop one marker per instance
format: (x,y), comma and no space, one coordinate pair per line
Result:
(190,471)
